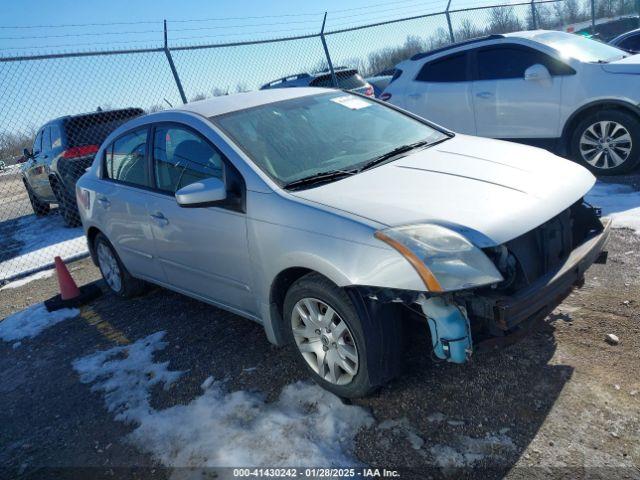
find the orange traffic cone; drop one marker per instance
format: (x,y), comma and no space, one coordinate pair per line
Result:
(68,287)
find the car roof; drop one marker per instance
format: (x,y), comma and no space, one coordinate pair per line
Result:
(241,101)
(624,35)
(303,79)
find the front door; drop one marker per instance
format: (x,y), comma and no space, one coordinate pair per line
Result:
(509,106)
(203,251)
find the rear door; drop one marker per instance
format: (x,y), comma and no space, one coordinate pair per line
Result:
(203,251)
(508,106)
(122,203)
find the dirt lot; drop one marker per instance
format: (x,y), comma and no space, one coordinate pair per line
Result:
(563,403)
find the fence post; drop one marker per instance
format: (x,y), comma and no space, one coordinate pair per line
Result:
(593,17)
(334,80)
(534,20)
(446,12)
(167,52)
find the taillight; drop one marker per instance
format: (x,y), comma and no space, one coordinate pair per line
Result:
(369,91)
(83,197)
(81,151)
(384,96)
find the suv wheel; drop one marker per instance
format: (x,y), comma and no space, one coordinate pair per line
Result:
(116,276)
(608,142)
(329,336)
(67,205)
(39,208)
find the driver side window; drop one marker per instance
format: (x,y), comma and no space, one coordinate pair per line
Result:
(126,159)
(181,157)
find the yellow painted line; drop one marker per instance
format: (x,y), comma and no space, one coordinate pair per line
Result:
(93,318)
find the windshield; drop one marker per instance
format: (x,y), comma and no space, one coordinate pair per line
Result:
(580,48)
(297,138)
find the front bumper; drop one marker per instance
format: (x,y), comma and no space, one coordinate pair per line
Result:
(508,312)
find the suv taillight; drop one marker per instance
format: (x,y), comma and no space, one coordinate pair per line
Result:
(81,151)
(385,96)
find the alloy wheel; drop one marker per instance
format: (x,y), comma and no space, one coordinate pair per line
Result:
(605,144)
(325,341)
(109,267)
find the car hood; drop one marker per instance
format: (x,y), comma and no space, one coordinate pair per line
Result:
(626,65)
(491,191)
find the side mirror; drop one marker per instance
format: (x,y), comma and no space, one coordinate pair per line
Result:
(537,73)
(202,194)
(27,153)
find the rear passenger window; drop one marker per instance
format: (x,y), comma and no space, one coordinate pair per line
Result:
(507,61)
(448,69)
(56,139)
(125,160)
(181,157)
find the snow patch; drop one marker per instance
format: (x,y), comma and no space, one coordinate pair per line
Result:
(42,239)
(467,450)
(31,321)
(30,278)
(305,426)
(619,202)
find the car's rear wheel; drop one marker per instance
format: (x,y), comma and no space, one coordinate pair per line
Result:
(608,142)
(67,205)
(330,337)
(39,208)
(115,275)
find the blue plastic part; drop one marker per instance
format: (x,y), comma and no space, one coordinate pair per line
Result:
(450,330)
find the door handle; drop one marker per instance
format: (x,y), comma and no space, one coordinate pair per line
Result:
(104,202)
(484,95)
(160,218)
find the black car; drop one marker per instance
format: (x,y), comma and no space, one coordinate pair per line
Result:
(62,150)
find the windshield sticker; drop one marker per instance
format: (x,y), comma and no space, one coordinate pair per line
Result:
(354,103)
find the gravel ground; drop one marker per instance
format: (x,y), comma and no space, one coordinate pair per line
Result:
(562,403)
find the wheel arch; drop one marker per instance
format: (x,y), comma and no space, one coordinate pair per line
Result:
(277,293)
(92,233)
(591,108)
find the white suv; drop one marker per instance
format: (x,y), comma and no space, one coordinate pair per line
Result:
(552,89)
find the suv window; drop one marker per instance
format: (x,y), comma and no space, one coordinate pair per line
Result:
(347,80)
(448,69)
(46,140)
(126,159)
(37,143)
(56,138)
(182,157)
(510,61)
(631,44)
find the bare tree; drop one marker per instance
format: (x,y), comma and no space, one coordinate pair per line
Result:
(503,20)
(467,30)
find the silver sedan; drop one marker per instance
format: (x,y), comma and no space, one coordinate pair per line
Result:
(329,218)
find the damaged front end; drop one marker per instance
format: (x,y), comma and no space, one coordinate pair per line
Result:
(539,269)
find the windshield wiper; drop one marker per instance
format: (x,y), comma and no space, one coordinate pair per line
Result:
(320,178)
(393,153)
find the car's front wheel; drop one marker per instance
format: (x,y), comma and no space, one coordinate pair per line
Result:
(115,275)
(331,338)
(608,142)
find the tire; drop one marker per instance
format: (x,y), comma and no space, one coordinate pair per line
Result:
(347,335)
(40,209)
(67,205)
(612,150)
(114,273)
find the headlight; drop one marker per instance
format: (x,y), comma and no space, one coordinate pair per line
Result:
(444,259)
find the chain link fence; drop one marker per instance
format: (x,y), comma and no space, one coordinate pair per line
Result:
(56,109)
